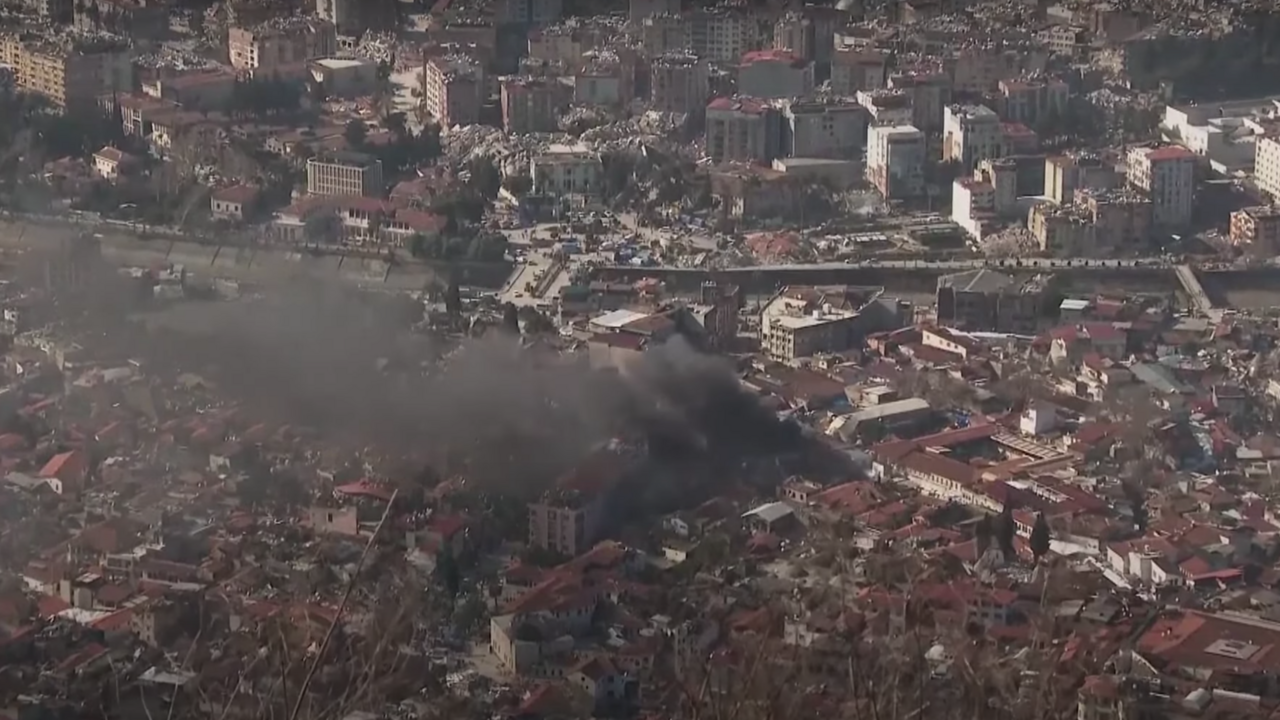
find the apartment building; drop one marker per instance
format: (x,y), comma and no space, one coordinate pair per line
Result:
(665,33)
(280,45)
(886,107)
(638,10)
(194,90)
(531,104)
(1167,175)
(980,300)
(1121,217)
(137,19)
(930,94)
(717,34)
(824,130)
(971,133)
(1031,102)
(527,12)
(70,69)
(895,160)
(345,174)
(567,170)
(1062,230)
(1257,229)
(1266,165)
(678,82)
(453,88)
(803,321)
(775,74)
(857,69)
(1065,174)
(742,130)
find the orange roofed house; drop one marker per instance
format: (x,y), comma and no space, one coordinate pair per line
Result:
(70,470)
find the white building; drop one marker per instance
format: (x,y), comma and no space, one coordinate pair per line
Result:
(973,201)
(1266,166)
(895,160)
(971,134)
(1167,175)
(566,170)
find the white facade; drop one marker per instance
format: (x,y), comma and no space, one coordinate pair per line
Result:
(1168,176)
(971,199)
(971,134)
(895,160)
(1266,166)
(565,170)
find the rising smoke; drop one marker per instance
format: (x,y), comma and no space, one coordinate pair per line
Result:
(515,417)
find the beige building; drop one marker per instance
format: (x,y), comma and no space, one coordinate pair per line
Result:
(857,69)
(1062,230)
(1167,175)
(453,88)
(1257,229)
(71,69)
(803,321)
(531,105)
(895,160)
(742,130)
(1266,165)
(971,134)
(280,45)
(566,522)
(345,174)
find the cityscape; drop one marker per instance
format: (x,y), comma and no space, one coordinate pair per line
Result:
(643,359)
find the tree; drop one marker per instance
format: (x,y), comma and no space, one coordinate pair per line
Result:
(418,245)
(511,318)
(1005,531)
(1137,504)
(518,184)
(485,178)
(453,299)
(355,134)
(322,228)
(982,532)
(1040,537)
(447,571)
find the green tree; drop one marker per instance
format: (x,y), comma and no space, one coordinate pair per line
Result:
(1006,530)
(486,179)
(511,318)
(418,245)
(322,228)
(982,531)
(1040,537)
(448,572)
(355,134)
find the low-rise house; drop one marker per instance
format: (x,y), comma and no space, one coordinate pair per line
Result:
(234,203)
(111,163)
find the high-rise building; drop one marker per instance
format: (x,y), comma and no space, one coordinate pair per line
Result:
(971,134)
(742,130)
(1167,175)
(531,105)
(71,69)
(895,160)
(453,87)
(775,74)
(678,82)
(1266,165)
(824,130)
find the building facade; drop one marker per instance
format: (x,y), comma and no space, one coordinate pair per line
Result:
(567,170)
(345,174)
(453,89)
(895,160)
(1167,175)
(824,130)
(71,71)
(971,133)
(742,130)
(679,83)
(774,74)
(277,46)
